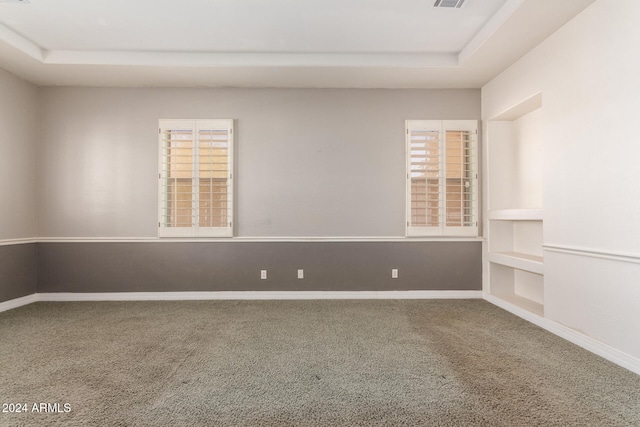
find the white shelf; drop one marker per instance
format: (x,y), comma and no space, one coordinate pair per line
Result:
(516,215)
(526,262)
(519,286)
(514,193)
(514,303)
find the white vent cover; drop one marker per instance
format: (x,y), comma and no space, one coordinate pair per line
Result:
(448,3)
(14,1)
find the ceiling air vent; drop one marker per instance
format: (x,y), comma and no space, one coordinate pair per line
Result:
(448,3)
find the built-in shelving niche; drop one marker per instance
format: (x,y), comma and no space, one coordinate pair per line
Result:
(515,206)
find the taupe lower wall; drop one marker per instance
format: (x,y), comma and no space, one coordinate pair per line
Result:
(18,271)
(235,266)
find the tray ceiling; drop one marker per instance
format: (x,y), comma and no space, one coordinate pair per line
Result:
(279,43)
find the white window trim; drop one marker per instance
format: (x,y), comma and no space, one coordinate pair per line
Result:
(197,231)
(443,125)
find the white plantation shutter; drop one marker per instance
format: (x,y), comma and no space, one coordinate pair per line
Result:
(424,176)
(442,178)
(195,178)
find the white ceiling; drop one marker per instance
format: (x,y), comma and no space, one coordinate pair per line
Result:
(275,43)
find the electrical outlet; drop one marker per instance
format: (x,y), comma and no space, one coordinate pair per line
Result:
(394,273)
(300,274)
(263,274)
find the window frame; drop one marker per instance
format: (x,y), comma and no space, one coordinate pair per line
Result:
(443,230)
(195,125)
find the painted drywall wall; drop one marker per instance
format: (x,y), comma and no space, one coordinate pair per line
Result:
(18,142)
(18,169)
(528,153)
(590,82)
(308,162)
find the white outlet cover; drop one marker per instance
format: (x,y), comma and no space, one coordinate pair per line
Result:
(300,274)
(263,274)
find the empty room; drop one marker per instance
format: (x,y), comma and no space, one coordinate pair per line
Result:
(306,213)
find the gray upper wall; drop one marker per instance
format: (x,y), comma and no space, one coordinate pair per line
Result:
(18,142)
(309,162)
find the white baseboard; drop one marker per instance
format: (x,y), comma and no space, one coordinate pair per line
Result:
(594,346)
(18,302)
(257,295)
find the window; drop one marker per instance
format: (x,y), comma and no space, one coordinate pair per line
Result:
(195,178)
(442,178)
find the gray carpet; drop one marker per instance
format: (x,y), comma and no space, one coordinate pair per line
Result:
(302,363)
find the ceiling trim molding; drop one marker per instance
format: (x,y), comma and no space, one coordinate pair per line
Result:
(491,27)
(227,59)
(21,43)
(252,59)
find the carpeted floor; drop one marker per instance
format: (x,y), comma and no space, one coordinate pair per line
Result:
(302,363)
